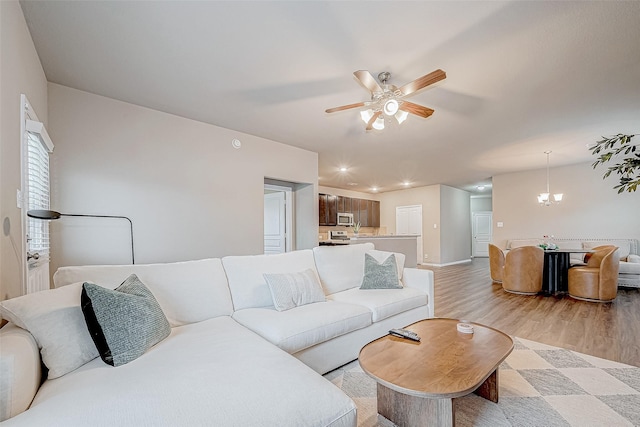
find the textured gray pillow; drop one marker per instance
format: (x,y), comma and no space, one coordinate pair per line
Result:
(124,322)
(380,275)
(291,290)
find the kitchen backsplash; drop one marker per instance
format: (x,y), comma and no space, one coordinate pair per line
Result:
(364,231)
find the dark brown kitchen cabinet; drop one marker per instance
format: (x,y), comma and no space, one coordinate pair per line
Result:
(365,208)
(375,214)
(344,204)
(367,212)
(328,209)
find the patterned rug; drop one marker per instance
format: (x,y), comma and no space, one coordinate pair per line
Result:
(540,385)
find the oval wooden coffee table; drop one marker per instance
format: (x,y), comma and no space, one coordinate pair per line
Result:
(418,381)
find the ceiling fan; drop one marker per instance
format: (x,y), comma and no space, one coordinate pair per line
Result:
(388,99)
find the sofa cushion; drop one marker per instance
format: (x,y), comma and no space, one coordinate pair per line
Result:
(211,373)
(382,275)
(123,323)
(188,292)
(629,267)
(305,326)
(517,243)
(341,267)
(55,320)
(290,290)
(383,303)
(624,246)
(20,372)
(245,274)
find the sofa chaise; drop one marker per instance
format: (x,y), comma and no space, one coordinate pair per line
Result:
(231,358)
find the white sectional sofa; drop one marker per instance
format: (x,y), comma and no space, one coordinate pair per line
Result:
(628,252)
(231,358)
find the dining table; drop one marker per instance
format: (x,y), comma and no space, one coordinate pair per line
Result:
(555,278)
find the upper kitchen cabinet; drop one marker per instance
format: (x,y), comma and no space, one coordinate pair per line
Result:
(344,204)
(365,211)
(375,214)
(328,209)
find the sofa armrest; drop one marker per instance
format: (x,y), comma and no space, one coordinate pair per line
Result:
(20,370)
(421,280)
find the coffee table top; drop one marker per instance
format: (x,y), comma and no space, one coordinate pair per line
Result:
(444,364)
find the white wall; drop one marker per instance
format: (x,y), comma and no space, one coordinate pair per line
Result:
(591,207)
(189,193)
(481,204)
(455,224)
(429,198)
(20,72)
(445,207)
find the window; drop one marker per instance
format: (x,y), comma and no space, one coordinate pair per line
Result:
(36,185)
(37,194)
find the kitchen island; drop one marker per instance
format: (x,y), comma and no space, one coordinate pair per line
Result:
(405,244)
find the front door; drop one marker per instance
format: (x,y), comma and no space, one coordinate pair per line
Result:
(482,233)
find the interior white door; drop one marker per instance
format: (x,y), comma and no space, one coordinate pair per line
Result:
(482,233)
(409,222)
(274,223)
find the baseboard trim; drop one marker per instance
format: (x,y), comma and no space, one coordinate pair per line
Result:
(464,261)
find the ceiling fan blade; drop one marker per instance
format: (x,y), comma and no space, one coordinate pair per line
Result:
(423,82)
(367,80)
(345,107)
(416,109)
(373,119)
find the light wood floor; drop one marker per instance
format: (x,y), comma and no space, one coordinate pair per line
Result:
(607,330)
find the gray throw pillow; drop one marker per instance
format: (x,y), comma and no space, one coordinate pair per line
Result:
(380,275)
(124,322)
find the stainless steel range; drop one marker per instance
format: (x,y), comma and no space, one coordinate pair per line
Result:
(338,237)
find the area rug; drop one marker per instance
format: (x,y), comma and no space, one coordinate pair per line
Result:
(540,385)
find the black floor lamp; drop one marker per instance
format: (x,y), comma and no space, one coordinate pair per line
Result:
(51,215)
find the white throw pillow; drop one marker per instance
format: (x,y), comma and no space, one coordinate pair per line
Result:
(633,258)
(55,320)
(291,290)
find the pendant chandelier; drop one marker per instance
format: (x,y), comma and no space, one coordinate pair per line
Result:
(544,199)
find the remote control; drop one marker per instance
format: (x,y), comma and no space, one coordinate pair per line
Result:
(404,333)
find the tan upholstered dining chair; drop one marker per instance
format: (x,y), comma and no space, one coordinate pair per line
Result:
(523,269)
(598,280)
(496,262)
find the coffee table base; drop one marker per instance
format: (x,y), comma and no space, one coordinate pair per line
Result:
(407,411)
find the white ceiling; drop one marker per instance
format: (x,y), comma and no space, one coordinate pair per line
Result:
(522,77)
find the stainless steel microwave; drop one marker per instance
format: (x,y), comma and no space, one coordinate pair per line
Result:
(345,219)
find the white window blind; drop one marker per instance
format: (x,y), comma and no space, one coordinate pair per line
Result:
(38,194)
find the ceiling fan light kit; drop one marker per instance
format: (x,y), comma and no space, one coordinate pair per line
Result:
(388,99)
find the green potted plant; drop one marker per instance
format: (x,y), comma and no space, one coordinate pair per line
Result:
(628,169)
(356,228)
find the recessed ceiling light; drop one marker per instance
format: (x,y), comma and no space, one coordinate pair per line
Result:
(343,169)
(352,183)
(480,187)
(406,183)
(374,188)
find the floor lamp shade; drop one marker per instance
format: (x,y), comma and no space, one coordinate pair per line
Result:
(53,215)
